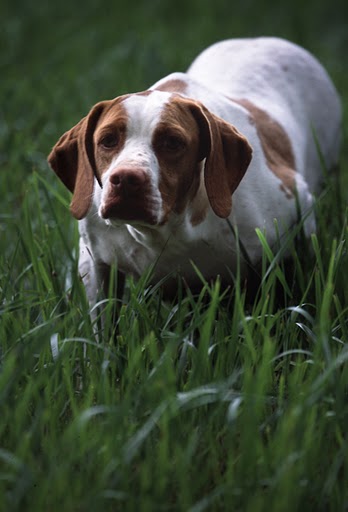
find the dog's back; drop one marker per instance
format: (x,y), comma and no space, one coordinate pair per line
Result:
(285,80)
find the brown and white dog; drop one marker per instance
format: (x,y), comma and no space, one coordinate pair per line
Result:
(156,175)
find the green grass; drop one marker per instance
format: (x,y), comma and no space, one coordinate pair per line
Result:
(206,404)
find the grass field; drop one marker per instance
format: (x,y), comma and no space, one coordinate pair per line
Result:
(200,405)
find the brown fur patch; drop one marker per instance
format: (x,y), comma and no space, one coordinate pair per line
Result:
(180,169)
(276,146)
(173,85)
(112,124)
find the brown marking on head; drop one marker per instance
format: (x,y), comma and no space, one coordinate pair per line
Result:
(73,157)
(173,85)
(276,146)
(176,144)
(109,137)
(186,135)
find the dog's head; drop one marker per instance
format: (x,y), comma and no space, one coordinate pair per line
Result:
(145,156)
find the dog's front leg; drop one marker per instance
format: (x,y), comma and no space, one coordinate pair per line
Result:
(100,283)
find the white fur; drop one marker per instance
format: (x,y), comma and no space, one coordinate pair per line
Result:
(281,79)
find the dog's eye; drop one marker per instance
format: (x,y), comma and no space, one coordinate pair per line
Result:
(109,141)
(173,143)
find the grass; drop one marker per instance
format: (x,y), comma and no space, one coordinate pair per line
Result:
(206,404)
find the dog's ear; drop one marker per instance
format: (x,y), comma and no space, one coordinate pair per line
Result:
(72,159)
(228,155)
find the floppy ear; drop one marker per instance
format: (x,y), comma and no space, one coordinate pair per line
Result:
(228,155)
(72,159)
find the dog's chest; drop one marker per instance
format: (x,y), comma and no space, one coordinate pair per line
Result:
(212,251)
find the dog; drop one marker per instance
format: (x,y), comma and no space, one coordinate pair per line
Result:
(178,177)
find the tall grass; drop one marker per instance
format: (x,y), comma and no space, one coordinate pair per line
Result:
(212,402)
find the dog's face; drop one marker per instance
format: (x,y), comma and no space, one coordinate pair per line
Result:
(142,158)
(147,155)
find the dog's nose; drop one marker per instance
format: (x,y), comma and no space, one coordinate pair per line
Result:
(128,179)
